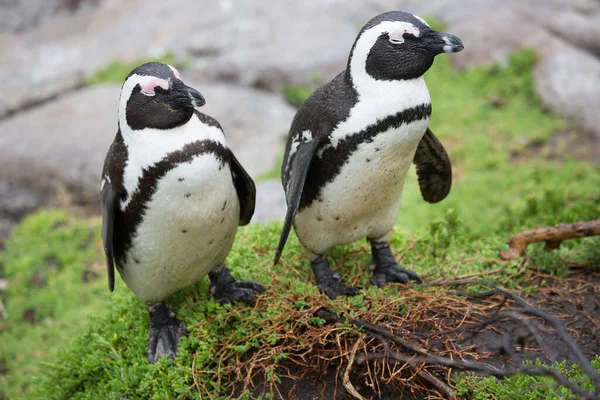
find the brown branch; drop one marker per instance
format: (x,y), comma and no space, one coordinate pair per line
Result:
(478,367)
(552,235)
(346,379)
(583,362)
(414,355)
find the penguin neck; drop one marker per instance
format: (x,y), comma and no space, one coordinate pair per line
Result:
(383,98)
(392,95)
(146,147)
(152,142)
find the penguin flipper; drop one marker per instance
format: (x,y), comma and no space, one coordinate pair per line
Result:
(300,165)
(434,169)
(109,204)
(244,186)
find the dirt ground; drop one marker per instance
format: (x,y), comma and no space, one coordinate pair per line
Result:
(448,332)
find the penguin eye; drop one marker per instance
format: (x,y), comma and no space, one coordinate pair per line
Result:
(396,40)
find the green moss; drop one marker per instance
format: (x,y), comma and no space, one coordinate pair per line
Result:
(524,387)
(54,267)
(296,95)
(117,71)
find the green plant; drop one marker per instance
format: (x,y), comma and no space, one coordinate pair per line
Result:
(117,71)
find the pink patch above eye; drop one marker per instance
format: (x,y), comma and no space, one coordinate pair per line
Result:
(148,87)
(399,33)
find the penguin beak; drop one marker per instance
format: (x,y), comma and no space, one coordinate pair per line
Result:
(441,42)
(186,96)
(195,96)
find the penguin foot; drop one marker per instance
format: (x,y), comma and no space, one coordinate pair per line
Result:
(165,332)
(386,269)
(384,274)
(328,281)
(225,289)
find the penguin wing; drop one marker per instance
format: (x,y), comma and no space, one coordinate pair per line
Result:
(244,186)
(434,170)
(109,203)
(300,164)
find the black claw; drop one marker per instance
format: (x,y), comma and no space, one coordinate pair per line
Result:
(386,269)
(225,289)
(329,282)
(393,274)
(165,332)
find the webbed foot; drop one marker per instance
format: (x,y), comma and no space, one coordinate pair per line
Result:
(328,281)
(165,332)
(386,269)
(225,289)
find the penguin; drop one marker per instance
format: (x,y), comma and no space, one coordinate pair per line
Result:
(172,197)
(351,143)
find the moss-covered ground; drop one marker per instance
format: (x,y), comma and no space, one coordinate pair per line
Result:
(67,337)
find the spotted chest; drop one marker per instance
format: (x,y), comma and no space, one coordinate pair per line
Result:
(188,229)
(363,198)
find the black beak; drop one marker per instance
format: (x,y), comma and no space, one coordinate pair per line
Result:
(445,43)
(195,96)
(186,95)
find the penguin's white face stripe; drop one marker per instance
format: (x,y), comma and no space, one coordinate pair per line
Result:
(363,82)
(378,99)
(422,20)
(148,85)
(175,72)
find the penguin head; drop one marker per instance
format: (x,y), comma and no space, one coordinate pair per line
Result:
(154,96)
(398,46)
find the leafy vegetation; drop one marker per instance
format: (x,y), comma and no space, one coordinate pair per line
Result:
(56,276)
(117,71)
(485,117)
(523,387)
(295,94)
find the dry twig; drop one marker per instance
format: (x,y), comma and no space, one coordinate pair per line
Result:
(408,353)
(552,235)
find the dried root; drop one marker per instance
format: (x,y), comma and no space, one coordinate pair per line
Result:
(552,235)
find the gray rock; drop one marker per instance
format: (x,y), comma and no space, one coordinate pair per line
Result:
(19,15)
(60,54)
(270,202)
(284,43)
(235,40)
(68,138)
(255,122)
(489,40)
(19,198)
(567,79)
(582,30)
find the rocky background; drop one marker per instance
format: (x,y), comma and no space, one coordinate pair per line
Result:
(55,128)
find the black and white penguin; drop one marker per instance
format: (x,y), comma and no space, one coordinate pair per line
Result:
(172,195)
(351,144)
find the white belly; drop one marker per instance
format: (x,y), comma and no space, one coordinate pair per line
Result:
(364,198)
(187,231)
